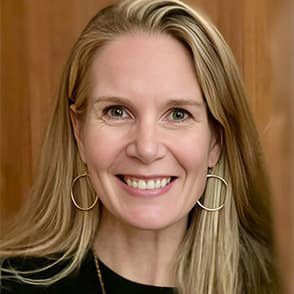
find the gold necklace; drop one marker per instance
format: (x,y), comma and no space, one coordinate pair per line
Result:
(99,275)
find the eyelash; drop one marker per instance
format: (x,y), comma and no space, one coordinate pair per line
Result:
(106,111)
(186,113)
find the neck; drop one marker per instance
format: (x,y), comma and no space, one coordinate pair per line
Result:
(143,256)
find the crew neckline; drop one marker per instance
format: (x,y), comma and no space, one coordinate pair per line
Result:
(113,280)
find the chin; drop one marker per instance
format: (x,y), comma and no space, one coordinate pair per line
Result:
(154,223)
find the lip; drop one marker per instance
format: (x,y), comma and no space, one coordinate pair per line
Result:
(149,177)
(146,193)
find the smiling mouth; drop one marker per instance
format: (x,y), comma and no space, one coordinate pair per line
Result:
(146,184)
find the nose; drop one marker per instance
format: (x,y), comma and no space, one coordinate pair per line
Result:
(146,144)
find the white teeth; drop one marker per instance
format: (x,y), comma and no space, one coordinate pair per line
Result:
(163,183)
(134,184)
(142,184)
(157,184)
(148,184)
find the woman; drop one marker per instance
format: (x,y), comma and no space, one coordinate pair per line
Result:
(151,178)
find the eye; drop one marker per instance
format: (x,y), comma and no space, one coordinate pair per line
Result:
(179,115)
(116,112)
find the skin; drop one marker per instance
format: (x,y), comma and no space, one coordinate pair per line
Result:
(142,132)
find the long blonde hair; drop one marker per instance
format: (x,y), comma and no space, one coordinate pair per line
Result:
(228,252)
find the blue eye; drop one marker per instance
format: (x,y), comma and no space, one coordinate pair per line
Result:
(115,112)
(179,114)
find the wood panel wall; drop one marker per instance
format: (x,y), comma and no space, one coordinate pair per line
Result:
(36,36)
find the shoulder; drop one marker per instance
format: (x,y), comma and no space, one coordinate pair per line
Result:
(70,284)
(29,268)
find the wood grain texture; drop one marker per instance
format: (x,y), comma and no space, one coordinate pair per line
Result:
(36,36)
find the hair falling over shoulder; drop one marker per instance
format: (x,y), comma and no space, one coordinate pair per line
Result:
(225,252)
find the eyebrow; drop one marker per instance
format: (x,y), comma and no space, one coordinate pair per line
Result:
(170,102)
(184,102)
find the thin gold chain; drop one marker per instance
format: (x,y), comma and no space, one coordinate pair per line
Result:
(99,275)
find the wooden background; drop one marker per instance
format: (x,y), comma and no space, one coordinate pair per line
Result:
(36,36)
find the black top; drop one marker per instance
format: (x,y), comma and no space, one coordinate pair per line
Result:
(83,281)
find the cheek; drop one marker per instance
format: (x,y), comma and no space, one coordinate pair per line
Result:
(192,151)
(193,154)
(101,147)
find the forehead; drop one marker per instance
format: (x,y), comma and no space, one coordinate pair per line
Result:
(144,65)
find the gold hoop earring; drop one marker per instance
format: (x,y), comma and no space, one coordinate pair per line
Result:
(73,198)
(222,205)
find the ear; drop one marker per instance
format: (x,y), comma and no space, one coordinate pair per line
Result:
(214,150)
(77,131)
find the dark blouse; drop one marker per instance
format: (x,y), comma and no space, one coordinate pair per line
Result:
(83,281)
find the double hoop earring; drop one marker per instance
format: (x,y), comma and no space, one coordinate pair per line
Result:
(222,205)
(73,198)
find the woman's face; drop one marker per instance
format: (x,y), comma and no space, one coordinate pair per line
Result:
(146,138)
